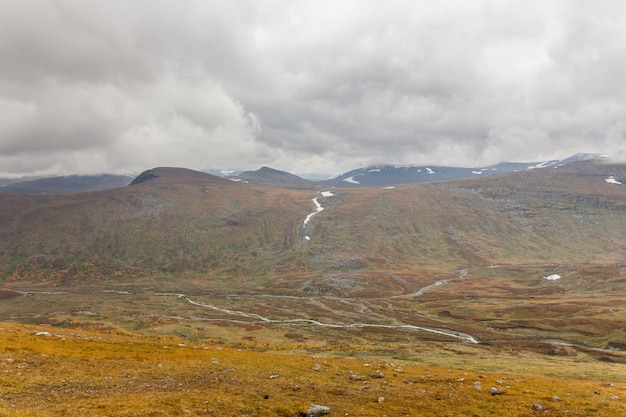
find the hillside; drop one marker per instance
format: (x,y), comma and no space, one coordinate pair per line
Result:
(180,220)
(48,371)
(467,261)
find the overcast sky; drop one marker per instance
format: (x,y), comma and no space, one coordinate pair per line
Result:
(309,86)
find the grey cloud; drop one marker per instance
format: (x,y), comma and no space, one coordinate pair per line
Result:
(312,86)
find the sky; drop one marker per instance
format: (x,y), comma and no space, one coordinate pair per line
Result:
(306,86)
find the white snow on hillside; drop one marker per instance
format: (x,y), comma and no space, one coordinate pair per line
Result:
(318,208)
(430,171)
(552,277)
(612,180)
(351,180)
(374,170)
(327,194)
(477,172)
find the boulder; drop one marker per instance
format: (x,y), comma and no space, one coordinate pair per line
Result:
(317,410)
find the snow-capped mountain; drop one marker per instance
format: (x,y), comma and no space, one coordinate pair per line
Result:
(384,175)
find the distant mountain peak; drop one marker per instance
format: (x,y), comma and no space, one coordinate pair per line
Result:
(385,175)
(270,176)
(181,174)
(144,177)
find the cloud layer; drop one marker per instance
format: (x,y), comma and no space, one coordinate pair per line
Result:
(309,86)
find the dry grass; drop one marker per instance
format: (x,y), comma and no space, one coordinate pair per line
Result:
(75,372)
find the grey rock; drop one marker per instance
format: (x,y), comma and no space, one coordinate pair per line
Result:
(316,410)
(494,391)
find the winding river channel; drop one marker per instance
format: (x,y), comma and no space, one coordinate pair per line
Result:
(359,309)
(456,335)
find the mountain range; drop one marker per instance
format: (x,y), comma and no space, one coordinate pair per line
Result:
(373,176)
(386,175)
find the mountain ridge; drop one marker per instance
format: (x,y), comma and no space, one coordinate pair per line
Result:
(386,175)
(372,176)
(219,220)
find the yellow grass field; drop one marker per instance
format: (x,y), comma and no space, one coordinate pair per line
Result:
(48,371)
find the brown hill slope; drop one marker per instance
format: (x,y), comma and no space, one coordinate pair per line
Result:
(174,220)
(169,220)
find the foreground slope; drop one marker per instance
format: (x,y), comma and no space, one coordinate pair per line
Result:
(49,372)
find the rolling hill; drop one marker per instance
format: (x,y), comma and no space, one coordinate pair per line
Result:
(270,176)
(172,219)
(525,259)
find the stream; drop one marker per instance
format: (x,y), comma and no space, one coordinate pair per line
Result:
(242,317)
(456,335)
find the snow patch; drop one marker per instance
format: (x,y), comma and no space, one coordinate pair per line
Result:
(430,171)
(552,277)
(612,180)
(542,164)
(351,180)
(374,170)
(318,208)
(477,172)
(390,187)
(327,194)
